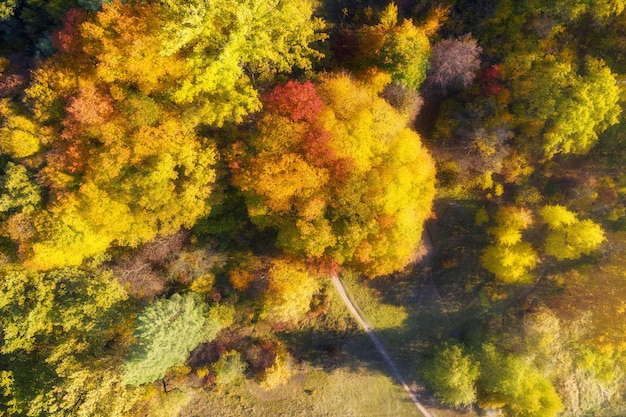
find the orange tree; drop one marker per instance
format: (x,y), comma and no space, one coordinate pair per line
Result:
(335,170)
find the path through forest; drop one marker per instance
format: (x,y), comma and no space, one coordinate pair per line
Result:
(381,348)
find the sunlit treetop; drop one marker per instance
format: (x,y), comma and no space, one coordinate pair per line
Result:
(400,48)
(337,173)
(560,105)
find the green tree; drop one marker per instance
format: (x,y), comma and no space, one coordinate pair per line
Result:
(452,374)
(62,306)
(167,330)
(560,104)
(20,193)
(229,368)
(511,383)
(56,328)
(401,49)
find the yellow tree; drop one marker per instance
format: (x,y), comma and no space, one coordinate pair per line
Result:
(508,258)
(290,291)
(568,237)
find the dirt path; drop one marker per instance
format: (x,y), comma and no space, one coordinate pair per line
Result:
(372,335)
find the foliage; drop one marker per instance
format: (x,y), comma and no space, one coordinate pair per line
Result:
(564,109)
(568,237)
(289,292)
(452,374)
(341,184)
(55,328)
(509,382)
(158,333)
(509,258)
(229,368)
(279,373)
(122,99)
(64,306)
(402,49)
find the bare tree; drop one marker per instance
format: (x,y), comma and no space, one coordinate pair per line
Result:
(453,64)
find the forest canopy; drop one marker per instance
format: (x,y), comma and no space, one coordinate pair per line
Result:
(180,180)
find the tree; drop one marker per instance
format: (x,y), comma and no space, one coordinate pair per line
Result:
(229,368)
(289,292)
(508,258)
(65,306)
(167,330)
(57,327)
(19,192)
(561,108)
(453,63)
(568,237)
(347,181)
(453,374)
(400,49)
(508,382)
(510,263)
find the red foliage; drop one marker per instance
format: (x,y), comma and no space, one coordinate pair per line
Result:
(317,150)
(298,101)
(490,81)
(324,266)
(68,38)
(11,85)
(68,157)
(89,106)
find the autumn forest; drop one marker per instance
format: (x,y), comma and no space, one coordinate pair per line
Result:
(180,179)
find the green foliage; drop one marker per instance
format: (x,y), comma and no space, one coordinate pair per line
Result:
(65,306)
(401,49)
(509,382)
(452,374)
(167,330)
(566,107)
(18,190)
(224,42)
(55,327)
(229,368)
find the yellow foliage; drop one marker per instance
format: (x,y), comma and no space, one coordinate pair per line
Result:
(18,134)
(289,293)
(240,279)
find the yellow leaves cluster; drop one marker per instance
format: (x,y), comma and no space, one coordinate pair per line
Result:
(290,291)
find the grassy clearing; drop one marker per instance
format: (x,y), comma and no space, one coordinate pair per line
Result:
(312,393)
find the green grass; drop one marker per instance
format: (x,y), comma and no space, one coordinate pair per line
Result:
(379,314)
(312,393)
